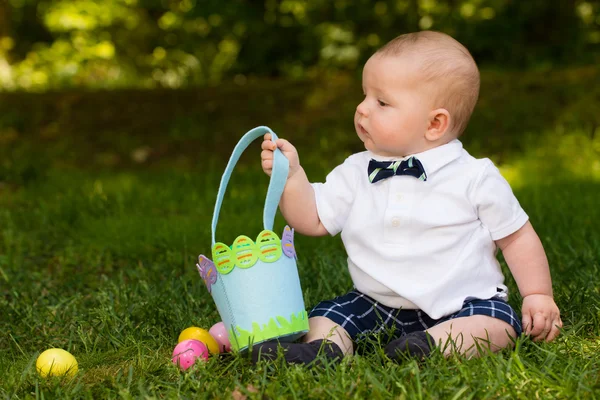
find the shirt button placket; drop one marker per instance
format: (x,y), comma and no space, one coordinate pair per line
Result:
(397,214)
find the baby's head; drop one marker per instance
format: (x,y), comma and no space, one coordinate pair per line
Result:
(420,91)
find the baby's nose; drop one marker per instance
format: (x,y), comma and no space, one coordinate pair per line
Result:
(362,109)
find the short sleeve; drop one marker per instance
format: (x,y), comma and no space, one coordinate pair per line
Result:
(335,197)
(496,205)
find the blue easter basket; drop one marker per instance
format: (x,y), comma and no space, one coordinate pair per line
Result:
(255,283)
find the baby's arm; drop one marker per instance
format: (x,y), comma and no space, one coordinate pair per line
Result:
(525,256)
(298,204)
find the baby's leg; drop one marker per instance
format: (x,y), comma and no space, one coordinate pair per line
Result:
(480,326)
(324,337)
(332,326)
(472,335)
(324,328)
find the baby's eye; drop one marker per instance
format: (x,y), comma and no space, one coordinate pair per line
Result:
(381,103)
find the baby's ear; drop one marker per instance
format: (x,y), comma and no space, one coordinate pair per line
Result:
(439,122)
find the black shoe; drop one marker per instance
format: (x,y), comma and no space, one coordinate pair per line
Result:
(298,353)
(415,344)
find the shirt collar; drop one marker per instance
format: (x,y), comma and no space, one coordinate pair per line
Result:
(432,159)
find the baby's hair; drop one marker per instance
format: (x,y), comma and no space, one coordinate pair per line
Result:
(447,63)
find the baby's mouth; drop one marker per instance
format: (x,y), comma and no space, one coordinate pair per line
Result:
(362,130)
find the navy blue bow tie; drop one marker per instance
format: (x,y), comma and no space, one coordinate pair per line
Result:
(379,170)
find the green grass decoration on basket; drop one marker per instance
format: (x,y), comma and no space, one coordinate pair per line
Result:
(296,323)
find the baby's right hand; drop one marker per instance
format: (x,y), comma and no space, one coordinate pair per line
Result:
(288,150)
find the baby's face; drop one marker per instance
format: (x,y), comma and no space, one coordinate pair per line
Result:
(393,117)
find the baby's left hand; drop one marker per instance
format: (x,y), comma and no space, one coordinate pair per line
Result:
(541,317)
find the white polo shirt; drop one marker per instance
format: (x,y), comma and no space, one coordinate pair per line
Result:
(422,244)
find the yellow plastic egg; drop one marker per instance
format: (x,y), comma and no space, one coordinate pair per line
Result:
(193,332)
(56,362)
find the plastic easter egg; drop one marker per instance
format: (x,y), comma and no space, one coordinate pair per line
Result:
(219,332)
(193,332)
(187,352)
(56,362)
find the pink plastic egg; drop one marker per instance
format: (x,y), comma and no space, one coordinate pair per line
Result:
(187,351)
(219,332)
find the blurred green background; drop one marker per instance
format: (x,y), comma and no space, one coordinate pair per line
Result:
(57,44)
(120,83)
(117,118)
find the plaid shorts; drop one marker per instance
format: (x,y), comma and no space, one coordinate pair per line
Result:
(359,314)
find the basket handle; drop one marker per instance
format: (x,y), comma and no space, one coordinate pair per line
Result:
(277,183)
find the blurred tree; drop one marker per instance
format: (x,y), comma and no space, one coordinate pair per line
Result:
(4,19)
(528,33)
(175,43)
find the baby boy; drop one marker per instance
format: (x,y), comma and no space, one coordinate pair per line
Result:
(421,219)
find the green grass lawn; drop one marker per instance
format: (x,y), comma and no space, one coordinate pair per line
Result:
(100,260)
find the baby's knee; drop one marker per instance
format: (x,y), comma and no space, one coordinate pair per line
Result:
(491,333)
(324,328)
(496,328)
(474,334)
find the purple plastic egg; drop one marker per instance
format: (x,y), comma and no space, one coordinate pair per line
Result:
(187,351)
(219,332)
